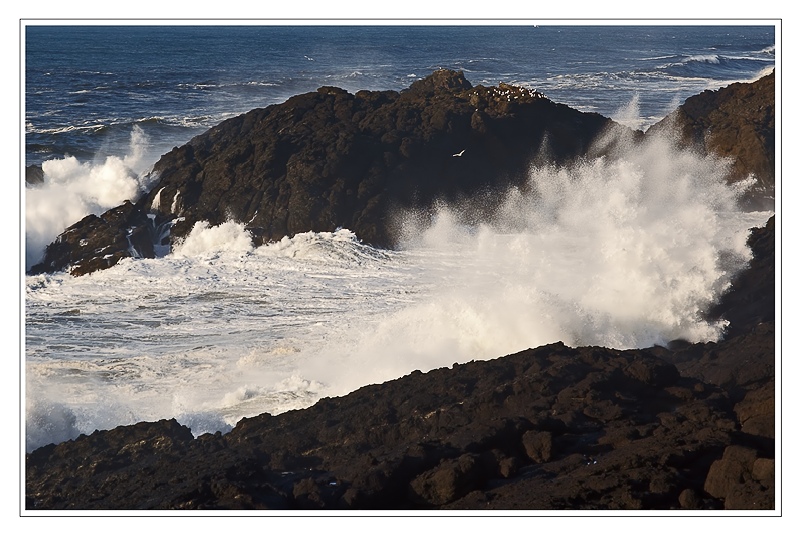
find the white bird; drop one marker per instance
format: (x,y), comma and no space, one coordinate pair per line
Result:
(459,153)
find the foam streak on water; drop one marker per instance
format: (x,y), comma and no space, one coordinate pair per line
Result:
(620,253)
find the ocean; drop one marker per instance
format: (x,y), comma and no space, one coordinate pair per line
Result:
(619,254)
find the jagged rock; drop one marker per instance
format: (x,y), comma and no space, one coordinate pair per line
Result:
(732,479)
(34,175)
(751,297)
(332,159)
(538,445)
(730,470)
(99,242)
(451,479)
(756,412)
(389,446)
(736,122)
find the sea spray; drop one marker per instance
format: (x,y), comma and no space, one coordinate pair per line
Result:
(622,251)
(629,114)
(73,189)
(48,421)
(205,239)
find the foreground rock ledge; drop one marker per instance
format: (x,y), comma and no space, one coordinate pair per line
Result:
(550,428)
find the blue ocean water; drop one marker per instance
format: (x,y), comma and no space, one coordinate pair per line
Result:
(87,86)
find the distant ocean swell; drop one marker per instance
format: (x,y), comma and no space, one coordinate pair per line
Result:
(718,67)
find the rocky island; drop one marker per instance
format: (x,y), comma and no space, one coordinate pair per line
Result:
(331,159)
(689,426)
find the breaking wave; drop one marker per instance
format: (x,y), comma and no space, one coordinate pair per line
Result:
(622,251)
(72,190)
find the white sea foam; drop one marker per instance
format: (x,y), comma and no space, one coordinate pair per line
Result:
(620,252)
(762,73)
(205,239)
(74,189)
(703,58)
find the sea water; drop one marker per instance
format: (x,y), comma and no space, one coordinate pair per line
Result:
(620,253)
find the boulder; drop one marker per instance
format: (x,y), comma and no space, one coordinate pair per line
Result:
(99,242)
(34,175)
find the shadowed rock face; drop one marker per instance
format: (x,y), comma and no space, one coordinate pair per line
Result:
(331,159)
(34,175)
(736,122)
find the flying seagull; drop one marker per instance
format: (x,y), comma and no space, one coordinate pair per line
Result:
(459,153)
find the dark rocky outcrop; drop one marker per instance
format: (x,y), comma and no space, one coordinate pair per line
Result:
(332,159)
(736,122)
(99,242)
(751,299)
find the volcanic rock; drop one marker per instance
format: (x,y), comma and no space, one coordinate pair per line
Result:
(732,479)
(751,298)
(736,122)
(331,159)
(34,175)
(397,445)
(99,242)
(547,428)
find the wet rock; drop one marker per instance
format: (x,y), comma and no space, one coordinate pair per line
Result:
(34,175)
(331,159)
(336,454)
(99,242)
(735,122)
(450,480)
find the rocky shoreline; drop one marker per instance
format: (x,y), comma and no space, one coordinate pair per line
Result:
(689,426)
